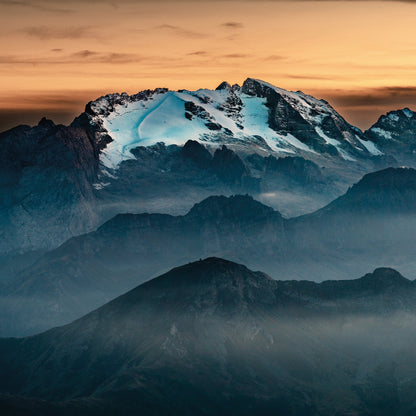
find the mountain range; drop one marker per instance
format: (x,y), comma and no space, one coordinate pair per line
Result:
(373,224)
(163,151)
(96,217)
(213,337)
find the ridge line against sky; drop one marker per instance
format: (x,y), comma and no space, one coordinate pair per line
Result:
(56,56)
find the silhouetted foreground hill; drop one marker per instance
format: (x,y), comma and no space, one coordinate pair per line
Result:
(213,337)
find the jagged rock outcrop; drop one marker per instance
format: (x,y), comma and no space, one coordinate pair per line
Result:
(395,135)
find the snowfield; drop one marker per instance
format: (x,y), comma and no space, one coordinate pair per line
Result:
(216,117)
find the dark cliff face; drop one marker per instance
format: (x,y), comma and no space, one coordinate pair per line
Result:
(225,164)
(286,117)
(46,185)
(197,153)
(215,335)
(282,116)
(228,166)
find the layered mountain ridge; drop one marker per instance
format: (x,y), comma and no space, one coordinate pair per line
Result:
(373,224)
(215,336)
(163,151)
(251,174)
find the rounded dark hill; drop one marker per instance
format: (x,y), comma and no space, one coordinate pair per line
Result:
(386,276)
(382,279)
(89,270)
(185,316)
(212,210)
(211,331)
(218,207)
(210,284)
(237,206)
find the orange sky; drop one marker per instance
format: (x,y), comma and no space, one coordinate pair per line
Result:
(55,56)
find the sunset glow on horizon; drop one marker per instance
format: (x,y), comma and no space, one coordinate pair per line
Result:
(56,56)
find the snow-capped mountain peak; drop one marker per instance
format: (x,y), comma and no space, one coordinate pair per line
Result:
(254,118)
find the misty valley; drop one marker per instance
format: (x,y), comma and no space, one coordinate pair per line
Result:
(236,251)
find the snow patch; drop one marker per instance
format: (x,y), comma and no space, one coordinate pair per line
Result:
(99,186)
(291,139)
(394,117)
(370,146)
(383,133)
(327,139)
(160,117)
(345,155)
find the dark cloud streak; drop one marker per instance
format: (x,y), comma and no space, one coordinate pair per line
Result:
(46,6)
(80,57)
(50,5)
(232,25)
(363,107)
(391,95)
(69,32)
(180,31)
(235,56)
(198,53)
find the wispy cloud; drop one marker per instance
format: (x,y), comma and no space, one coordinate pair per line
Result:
(389,95)
(51,5)
(232,25)
(198,53)
(178,30)
(79,57)
(235,55)
(45,6)
(315,77)
(85,54)
(275,58)
(68,32)
(110,57)
(29,108)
